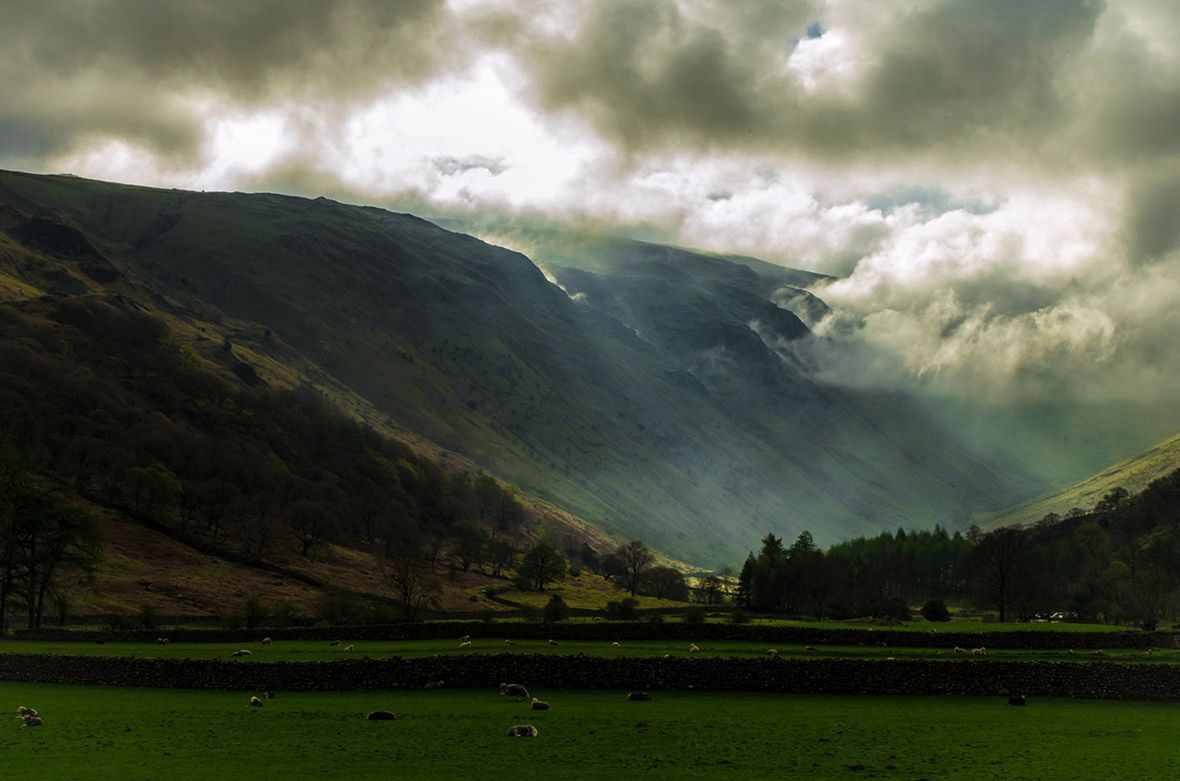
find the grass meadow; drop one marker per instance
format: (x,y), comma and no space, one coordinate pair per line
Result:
(131,734)
(319,651)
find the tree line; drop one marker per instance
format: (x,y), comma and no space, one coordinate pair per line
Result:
(1116,563)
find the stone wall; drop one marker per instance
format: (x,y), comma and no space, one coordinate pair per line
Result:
(1105,680)
(640,630)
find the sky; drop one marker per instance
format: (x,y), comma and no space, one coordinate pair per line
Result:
(993,186)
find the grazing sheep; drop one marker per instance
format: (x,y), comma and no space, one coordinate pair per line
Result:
(23,711)
(161,641)
(33,721)
(514,690)
(466,638)
(772,652)
(1070,652)
(981,651)
(522,731)
(1019,700)
(432,685)
(638,697)
(255,702)
(615,644)
(267,641)
(465,644)
(1098,653)
(552,642)
(348,647)
(268,695)
(809,648)
(509,642)
(539,704)
(241,652)
(1148,652)
(380,715)
(959,650)
(693,649)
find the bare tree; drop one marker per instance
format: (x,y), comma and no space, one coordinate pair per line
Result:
(636,559)
(408,576)
(1000,557)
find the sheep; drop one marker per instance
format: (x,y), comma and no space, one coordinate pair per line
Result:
(981,651)
(1098,653)
(638,697)
(1070,652)
(161,641)
(1018,700)
(959,650)
(241,652)
(466,638)
(809,648)
(509,642)
(465,644)
(432,685)
(23,711)
(552,642)
(380,715)
(267,640)
(514,690)
(348,647)
(772,652)
(33,721)
(334,643)
(522,731)
(255,702)
(539,704)
(268,695)
(615,644)
(1148,652)
(693,649)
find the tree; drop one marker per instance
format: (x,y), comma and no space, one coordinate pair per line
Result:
(999,557)
(555,609)
(470,547)
(935,610)
(408,577)
(665,583)
(541,566)
(636,559)
(745,589)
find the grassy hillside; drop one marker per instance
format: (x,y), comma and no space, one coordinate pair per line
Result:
(664,402)
(1133,474)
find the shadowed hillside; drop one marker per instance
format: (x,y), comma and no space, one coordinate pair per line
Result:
(662,403)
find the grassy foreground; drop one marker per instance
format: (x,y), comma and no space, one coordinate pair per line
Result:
(107,732)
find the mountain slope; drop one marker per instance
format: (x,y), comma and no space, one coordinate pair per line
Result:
(665,402)
(1133,474)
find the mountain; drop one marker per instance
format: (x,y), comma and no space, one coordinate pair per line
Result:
(1133,475)
(656,392)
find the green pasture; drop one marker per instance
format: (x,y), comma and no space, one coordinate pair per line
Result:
(131,734)
(321,651)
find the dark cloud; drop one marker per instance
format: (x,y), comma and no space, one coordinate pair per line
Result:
(138,70)
(948,75)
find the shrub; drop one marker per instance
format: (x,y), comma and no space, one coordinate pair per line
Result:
(254,612)
(935,610)
(148,619)
(739,617)
(623,609)
(694,615)
(555,610)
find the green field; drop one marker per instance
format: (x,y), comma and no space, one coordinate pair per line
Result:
(128,734)
(318,651)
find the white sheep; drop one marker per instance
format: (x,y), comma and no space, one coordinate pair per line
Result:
(981,651)
(348,647)
(255,702)
(267,641)
(241,652)
(539,704)
(552,642)
(23,711)
(161,641)
(509,642)
(522,731)
(693,649)
(809,648)
(615,644)
(32,721)
(465,644)
(960,650)
(772,652)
